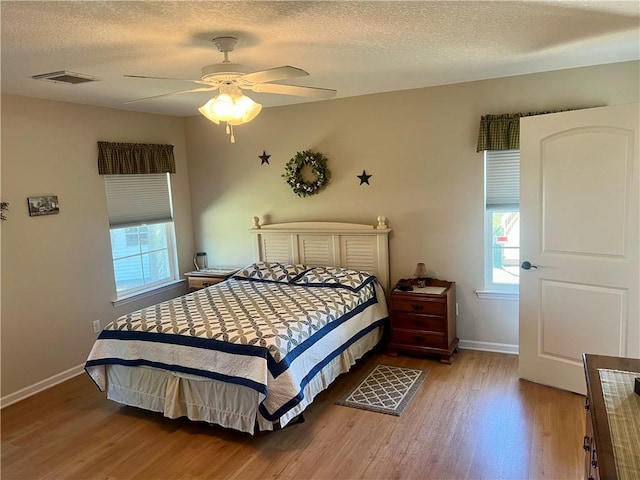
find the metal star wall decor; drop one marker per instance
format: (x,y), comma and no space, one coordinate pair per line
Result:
(264,157)
(364,178)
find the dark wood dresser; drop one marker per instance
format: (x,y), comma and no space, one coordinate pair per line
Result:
(599,451)
(422,322)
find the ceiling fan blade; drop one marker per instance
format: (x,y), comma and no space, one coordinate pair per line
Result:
(193,90)
(295,90)
(273,74)
(168,78)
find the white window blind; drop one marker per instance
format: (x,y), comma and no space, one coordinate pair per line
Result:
(138,199)
(502,179)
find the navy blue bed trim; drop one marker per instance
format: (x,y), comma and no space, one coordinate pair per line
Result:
(295,281)
(335,285)
(259,387)
(277,368)
(176,339)
(314,371)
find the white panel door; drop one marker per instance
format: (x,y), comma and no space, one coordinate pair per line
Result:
(579,207)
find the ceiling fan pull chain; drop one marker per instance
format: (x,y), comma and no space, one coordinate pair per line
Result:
(233,137)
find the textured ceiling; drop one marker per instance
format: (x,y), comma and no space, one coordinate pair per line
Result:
(355,47)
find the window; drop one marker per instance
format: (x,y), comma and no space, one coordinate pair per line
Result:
(135,235)
(502,220)
(142,232)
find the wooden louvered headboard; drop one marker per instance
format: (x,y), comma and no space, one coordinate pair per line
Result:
(347,245)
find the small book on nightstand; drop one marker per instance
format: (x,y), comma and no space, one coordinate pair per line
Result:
(429,290)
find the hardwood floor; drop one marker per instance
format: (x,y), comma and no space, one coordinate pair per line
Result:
(471,420)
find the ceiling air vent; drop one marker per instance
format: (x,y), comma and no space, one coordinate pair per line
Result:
(70,78)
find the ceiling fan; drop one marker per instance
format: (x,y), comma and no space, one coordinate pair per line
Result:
(231,105)
(226,74)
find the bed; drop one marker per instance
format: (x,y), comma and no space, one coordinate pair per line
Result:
(251,353)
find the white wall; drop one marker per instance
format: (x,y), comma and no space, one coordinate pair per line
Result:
(427,178)
(57,275)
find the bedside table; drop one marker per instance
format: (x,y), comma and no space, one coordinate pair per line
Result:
(208,276)
(423,320)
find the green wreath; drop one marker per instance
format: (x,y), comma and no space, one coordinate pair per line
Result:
(293,173)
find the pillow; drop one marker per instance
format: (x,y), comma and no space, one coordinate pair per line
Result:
(271,272)
(335,277)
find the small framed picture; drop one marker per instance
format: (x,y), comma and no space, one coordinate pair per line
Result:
(46,205)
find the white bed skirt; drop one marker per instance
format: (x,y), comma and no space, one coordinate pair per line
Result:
(202,399)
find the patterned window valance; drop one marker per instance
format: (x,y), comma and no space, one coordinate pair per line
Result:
(134,158)
(499,132)
(502,132)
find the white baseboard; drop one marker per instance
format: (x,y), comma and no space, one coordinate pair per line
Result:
(40,386)
(489,347)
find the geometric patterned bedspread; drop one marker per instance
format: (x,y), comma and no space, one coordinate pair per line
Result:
(270,336)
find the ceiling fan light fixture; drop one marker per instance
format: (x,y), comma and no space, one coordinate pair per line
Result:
(233,108)
(222,106)
(234,111)
(245,110)
(207,111)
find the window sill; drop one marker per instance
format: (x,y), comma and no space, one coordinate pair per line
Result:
(497,295)
(134,297)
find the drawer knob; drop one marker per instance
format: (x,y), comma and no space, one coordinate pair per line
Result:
(417,306)
(417,323)
(417,339)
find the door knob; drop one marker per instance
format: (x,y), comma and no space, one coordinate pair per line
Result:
(527,266)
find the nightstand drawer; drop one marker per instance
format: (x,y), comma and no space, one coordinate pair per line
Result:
(203,282)
(407,321)
(418,338)
(208,276)
(418,305)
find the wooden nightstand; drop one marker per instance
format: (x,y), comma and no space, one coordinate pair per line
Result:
(423,320)
(208,276)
